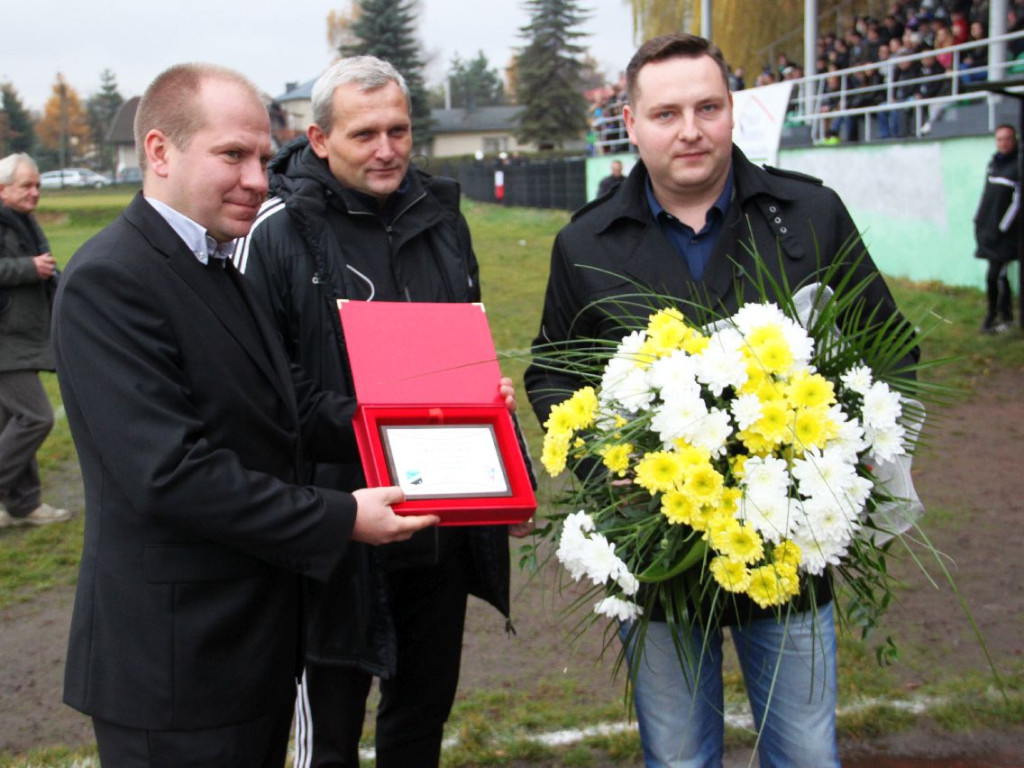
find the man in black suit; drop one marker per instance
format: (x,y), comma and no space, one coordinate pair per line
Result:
(192,430)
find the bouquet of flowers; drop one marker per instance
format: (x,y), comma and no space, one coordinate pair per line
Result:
(742,457)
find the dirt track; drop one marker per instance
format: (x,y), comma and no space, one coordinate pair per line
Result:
(972,465)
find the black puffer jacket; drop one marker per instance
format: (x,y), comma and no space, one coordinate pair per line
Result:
(313,243)
(997,220)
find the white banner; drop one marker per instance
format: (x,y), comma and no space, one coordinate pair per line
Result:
(758,116)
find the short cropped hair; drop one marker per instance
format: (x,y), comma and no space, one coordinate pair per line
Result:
(367,72)
(170,103)
(670,47)
(9,166)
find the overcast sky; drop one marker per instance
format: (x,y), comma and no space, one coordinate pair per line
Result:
(272,43)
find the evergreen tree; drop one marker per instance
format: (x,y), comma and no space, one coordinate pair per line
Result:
(386,29)
(549,74)
(474,84)
(102,108)
(16,131)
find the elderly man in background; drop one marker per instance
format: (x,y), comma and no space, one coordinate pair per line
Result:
(27,278)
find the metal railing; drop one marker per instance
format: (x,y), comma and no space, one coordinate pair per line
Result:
(811,93)
(916,116)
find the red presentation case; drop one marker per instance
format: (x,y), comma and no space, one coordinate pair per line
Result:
(419,364)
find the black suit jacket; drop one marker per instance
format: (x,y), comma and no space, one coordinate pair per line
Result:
(190,429)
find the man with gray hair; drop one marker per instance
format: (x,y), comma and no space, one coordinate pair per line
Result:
(349,217)
(27,277)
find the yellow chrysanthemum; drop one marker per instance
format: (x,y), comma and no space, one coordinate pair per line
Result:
(787,552)
(554,453)
(812,428)
(755,443)
(765,334)
(708,518)
(736,464)
(696,343)
(774,424)
(561,421)
(772,585)
(737,540)
(583,406)
(731,575)
(667,330)
(616,457)
(768,346)
(704,484)
(659,471)
(678,508)
(579,446)
(810,390)
(729,502)
(691,456)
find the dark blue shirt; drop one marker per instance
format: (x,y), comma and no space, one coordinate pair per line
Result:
(695,247)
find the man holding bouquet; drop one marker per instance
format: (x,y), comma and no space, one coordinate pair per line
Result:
(696,224)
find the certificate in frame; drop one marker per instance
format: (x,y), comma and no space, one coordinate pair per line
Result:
(445,461)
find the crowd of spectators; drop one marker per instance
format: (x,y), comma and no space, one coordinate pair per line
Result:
(930,27)
(607,132)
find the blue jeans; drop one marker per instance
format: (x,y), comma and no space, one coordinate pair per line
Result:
(792,693)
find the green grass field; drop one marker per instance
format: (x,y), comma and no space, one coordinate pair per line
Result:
(513,247)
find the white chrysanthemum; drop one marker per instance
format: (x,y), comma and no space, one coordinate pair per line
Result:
(711,432)
(675,373)
(579,521)
(857,379)
(823,474)
(618,609)
(678,415)
(629,583)
(570,553)
(751,316)
(625,386)
(630,346)
(826,519)
(816,554)
(849,439)
(600,559)
(801,345)
(746,410)
(855,498)
(887,443)
(573,544)
(881,406)
(765,477)
(721,364)
(774,516)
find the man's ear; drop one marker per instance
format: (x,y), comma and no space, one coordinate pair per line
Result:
(628,119)
(157,147)
(317,140)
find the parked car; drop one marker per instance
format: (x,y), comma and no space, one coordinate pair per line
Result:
(73,177)
(131,175)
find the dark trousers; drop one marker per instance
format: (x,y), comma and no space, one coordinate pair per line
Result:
(429,610)
(261,743)
(1000,296)
(26,418)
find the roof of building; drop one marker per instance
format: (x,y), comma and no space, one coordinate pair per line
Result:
(480,119)
(122,130)
(297,92)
